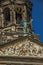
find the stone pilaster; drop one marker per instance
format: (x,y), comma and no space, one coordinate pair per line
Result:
(14,17)
(24,16)
(2,18)
(11,17)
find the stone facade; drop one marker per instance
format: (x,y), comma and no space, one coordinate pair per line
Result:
(17,39)
(18,51)
(13,7)
(14,20)
(23,48)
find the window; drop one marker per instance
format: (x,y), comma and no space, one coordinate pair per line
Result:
(6,16)
(18,15)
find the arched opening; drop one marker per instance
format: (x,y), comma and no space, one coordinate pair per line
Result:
(18,15)
(6,16)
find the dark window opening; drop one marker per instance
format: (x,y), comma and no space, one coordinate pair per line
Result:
(18,18)
(6,16)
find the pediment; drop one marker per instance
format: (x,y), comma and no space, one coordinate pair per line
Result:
(23,47)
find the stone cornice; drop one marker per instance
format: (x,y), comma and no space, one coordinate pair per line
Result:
(24,47)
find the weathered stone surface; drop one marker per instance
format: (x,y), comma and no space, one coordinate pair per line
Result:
(23,48)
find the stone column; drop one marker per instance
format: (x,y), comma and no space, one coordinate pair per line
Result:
(2,18)
(14,17)
(0,21)
(11,16)
(24,16)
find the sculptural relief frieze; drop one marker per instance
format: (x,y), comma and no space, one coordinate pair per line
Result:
(23,48)
(8,18)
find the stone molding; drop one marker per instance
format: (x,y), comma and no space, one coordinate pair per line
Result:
(22,48)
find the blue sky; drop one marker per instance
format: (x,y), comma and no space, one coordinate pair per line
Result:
(37,15)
